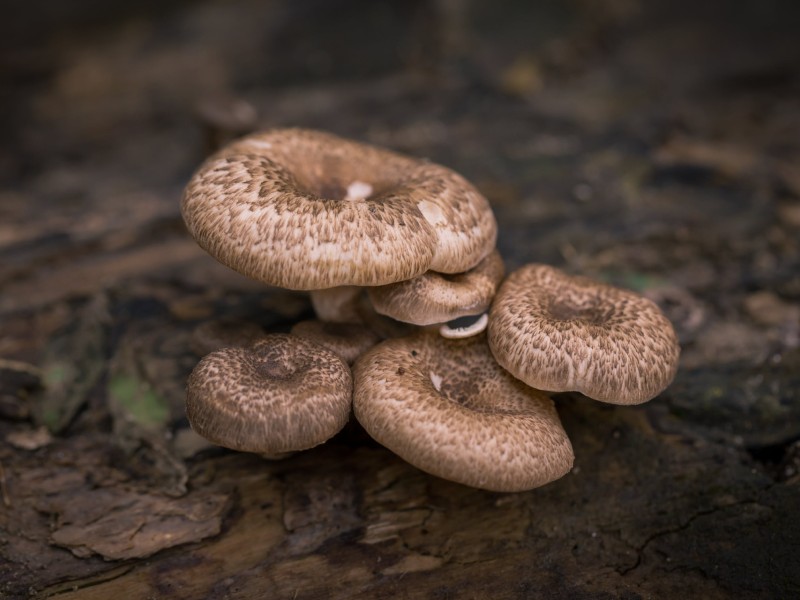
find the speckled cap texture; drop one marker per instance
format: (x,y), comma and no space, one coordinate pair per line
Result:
(279,395)
(447,407)
(559,332)
(434,298)
(305,210)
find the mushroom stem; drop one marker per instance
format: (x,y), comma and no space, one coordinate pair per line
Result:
(337,304)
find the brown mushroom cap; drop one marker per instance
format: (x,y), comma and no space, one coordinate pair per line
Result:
(449,409)
(437,298)
(307,210)
(559,333)
(280,395)
(347,340)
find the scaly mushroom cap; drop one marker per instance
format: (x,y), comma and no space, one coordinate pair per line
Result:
(437,298)
(279,395)
(558,332)
(306,210)
(346,340)
(448,408)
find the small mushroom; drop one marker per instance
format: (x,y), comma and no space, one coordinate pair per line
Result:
(434,298)
(280,395)
(307,210)
(559,332)
(347,340)
(448,408)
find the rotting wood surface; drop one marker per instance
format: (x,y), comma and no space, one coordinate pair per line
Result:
(651,146)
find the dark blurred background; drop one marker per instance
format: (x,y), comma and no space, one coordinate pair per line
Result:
(512,93)
(654,144)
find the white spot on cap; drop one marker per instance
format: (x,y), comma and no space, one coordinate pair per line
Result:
(358,190)
(436,380)
(432,212)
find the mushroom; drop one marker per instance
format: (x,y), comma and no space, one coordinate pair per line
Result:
(347,340)
(307,210)
(277,396)
(434,298)
(559,332)
(448,408)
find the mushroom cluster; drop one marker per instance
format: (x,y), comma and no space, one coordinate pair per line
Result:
(440,358)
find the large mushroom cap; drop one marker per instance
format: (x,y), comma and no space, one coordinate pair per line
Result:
(560,333)
(308,210)
(449,409)
(435,298)
(279,395)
